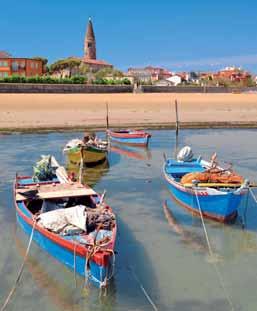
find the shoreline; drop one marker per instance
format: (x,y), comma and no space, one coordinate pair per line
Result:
(96,128)
(41,113)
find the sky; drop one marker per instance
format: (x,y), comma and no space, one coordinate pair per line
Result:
(178,35)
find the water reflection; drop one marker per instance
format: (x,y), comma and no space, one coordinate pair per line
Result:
(188,237)
(89,175)
(224,238)
(137,153)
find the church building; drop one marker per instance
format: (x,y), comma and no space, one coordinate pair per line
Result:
(89,58)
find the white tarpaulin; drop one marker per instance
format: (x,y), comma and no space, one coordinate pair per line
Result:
(57,220)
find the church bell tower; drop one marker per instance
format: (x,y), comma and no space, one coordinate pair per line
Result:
(90,43)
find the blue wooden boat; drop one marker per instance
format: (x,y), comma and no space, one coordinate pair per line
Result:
(216,201)
(88,253)
(130,137)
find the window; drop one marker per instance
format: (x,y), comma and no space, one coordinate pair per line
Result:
(22,64)
(3,64)
(32,65)
(15,66)
(3,74)
(36,65)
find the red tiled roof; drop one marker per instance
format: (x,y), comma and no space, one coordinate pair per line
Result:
(4,54)
(95,62)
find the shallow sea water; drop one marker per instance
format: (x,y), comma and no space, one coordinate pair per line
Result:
(174,269)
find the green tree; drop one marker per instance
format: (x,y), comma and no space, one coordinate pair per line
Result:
(43,59)
(84,69)
(67,63)
(114,73)
(250,82)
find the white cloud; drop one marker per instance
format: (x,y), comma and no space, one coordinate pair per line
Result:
(238,60)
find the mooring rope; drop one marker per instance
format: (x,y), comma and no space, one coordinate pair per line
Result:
(74,262)
(204,227)
(20,271)
(147,296)
(252,194)
(113,264)
(211,254)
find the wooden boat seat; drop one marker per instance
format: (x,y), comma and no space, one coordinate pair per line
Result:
(53,191)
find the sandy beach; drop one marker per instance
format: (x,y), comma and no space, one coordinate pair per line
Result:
(28,112)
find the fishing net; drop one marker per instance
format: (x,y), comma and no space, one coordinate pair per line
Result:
(213,176)
(43,169)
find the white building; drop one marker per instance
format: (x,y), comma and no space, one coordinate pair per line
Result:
(175,79)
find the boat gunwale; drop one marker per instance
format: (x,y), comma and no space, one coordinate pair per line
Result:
(191,190)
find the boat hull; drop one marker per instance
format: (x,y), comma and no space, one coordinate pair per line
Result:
(220,207)
(133,138)
(96,274)
(90,156)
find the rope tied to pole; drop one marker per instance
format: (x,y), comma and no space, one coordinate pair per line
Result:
(16,283)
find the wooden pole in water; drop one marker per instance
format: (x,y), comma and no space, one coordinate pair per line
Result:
(81,165)
(107,116)
(177,121)
(177,127)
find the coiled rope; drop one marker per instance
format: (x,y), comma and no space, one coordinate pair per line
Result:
(16,283)
(211,254)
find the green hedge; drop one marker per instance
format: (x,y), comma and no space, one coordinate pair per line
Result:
(44,80)
(112,82)
(72,80)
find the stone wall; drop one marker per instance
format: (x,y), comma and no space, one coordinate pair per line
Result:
(183,89)
(82,88)
(194,89)
(63,88)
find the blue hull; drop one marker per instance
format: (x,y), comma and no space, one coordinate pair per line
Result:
(218,207)
(96,274)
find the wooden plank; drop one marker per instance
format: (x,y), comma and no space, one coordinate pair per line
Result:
(65,193)
(64,190)
(55,191)
(20,197)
